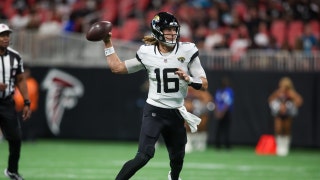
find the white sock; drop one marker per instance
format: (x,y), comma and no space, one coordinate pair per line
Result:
(189,145)
(283,145)
(286,144)
(201,143)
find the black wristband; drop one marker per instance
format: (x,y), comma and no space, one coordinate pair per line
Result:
(196,86)
(27,102)
(196,83)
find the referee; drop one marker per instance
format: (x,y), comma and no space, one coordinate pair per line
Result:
(11,75)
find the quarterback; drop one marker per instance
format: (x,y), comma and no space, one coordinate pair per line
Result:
(172,66)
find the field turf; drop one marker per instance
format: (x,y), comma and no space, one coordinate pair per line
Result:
(96,160)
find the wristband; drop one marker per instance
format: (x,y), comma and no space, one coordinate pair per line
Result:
(109,51)
(196,83)
(27,103)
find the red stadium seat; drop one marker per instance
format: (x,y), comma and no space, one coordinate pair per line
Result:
(110,10)
(126,8)
(143,4)
(295,30)
(278,31)
(150,16)
(130,29)
(315,26)
(8,8)
(116,32)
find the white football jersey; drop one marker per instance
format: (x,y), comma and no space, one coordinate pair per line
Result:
(166,89)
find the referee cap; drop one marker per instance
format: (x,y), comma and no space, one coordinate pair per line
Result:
(4,28)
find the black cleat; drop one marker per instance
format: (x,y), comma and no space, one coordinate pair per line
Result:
(12,176)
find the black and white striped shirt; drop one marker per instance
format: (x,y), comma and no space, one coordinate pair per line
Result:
(11,65)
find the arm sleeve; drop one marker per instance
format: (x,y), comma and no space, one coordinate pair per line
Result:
(133,65)
(196,70)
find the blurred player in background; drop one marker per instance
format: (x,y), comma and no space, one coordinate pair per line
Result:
(284,103)
(12,75)
(224,99)
(172,66)
(199,103)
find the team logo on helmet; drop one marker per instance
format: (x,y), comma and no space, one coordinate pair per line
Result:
(156,18)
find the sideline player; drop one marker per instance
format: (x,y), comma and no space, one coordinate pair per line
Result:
(172,66)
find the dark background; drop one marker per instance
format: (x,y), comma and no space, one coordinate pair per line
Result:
(111,106)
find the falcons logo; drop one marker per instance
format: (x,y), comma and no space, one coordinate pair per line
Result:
(63,92)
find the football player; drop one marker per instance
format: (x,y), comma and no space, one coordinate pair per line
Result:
(172,66)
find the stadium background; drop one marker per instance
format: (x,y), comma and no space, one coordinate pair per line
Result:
(110,106)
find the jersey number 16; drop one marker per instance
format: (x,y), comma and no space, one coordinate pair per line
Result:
(167,80)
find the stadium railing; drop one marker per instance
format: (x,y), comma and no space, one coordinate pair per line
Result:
(72,49)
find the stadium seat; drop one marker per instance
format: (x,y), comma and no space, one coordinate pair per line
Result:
(278,31)
(315,26)
(110,11)
(295,30)
(184,11)
(150,16)
(130,29)
(168,7)
(126,8)
(8,8)
(116,32)
(143,4)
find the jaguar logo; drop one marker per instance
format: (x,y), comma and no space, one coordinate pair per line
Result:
(181,59)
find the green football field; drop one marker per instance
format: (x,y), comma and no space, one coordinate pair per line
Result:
(81,160)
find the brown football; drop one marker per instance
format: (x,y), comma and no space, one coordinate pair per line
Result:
(99,30)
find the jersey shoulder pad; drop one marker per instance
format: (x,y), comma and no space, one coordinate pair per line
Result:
(146,49)
(188,46)
(189,49)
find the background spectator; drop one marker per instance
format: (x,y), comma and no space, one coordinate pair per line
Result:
(223,99)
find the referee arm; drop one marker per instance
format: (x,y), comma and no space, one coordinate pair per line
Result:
(22,86)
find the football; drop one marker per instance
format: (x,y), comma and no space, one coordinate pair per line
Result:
(99,30)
